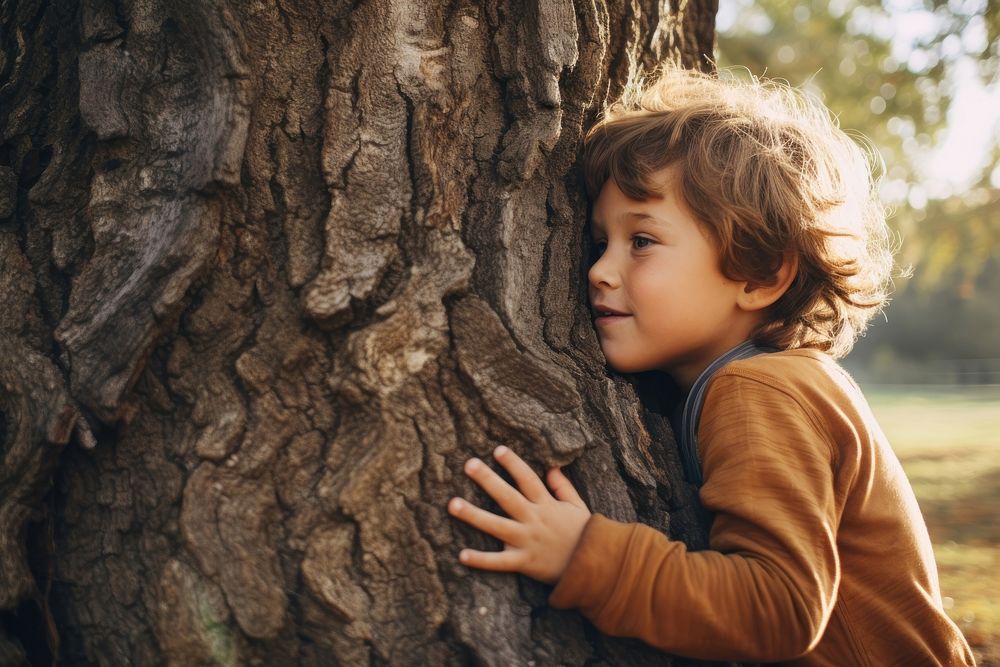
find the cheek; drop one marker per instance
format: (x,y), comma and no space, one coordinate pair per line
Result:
(648,287)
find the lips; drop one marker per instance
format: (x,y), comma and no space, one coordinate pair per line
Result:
(604,315)
(600,310)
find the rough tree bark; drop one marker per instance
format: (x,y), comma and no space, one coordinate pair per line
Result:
(270,272)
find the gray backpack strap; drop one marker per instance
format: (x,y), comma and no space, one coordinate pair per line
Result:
(690,458)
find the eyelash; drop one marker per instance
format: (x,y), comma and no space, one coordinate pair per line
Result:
(601,245)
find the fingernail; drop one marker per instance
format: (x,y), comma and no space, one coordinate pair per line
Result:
(456,505)
(463,556)
(499,451)
(472,464)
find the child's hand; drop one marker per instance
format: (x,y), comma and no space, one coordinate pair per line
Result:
(542,532)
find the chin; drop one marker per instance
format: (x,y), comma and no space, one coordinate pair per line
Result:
(626,365)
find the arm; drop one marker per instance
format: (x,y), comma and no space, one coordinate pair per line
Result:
(765,591)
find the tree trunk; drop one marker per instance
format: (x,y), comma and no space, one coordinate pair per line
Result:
(271,272)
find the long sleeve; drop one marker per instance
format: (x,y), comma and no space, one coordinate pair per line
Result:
(766,589)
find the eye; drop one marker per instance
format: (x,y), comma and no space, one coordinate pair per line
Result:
(640,242)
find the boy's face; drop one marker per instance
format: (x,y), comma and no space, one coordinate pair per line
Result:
(657,267)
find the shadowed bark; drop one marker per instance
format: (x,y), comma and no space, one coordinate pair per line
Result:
(270,272)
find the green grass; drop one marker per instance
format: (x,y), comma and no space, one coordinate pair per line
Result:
(948,439)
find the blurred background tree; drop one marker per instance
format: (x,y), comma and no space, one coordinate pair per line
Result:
(920,79)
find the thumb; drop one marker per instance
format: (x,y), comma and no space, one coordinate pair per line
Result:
(563,488)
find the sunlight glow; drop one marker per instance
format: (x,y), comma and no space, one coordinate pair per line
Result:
(954,158)
(973,125)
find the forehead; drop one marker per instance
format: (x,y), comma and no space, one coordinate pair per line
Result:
(613,207)
(613,204)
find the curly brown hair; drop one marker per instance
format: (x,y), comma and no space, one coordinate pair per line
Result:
(769,173)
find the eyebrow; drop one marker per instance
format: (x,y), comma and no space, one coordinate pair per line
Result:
(631,215)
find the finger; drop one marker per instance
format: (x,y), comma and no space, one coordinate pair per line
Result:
(499,527)
(527,479)
(509,498)
(563,488)
(507,560)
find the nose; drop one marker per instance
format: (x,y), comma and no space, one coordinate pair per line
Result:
(602,272)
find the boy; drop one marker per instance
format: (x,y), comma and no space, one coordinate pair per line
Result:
(741,248)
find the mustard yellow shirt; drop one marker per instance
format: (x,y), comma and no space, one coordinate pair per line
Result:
(818,552)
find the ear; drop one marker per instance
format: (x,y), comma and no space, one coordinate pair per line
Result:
(757,296)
